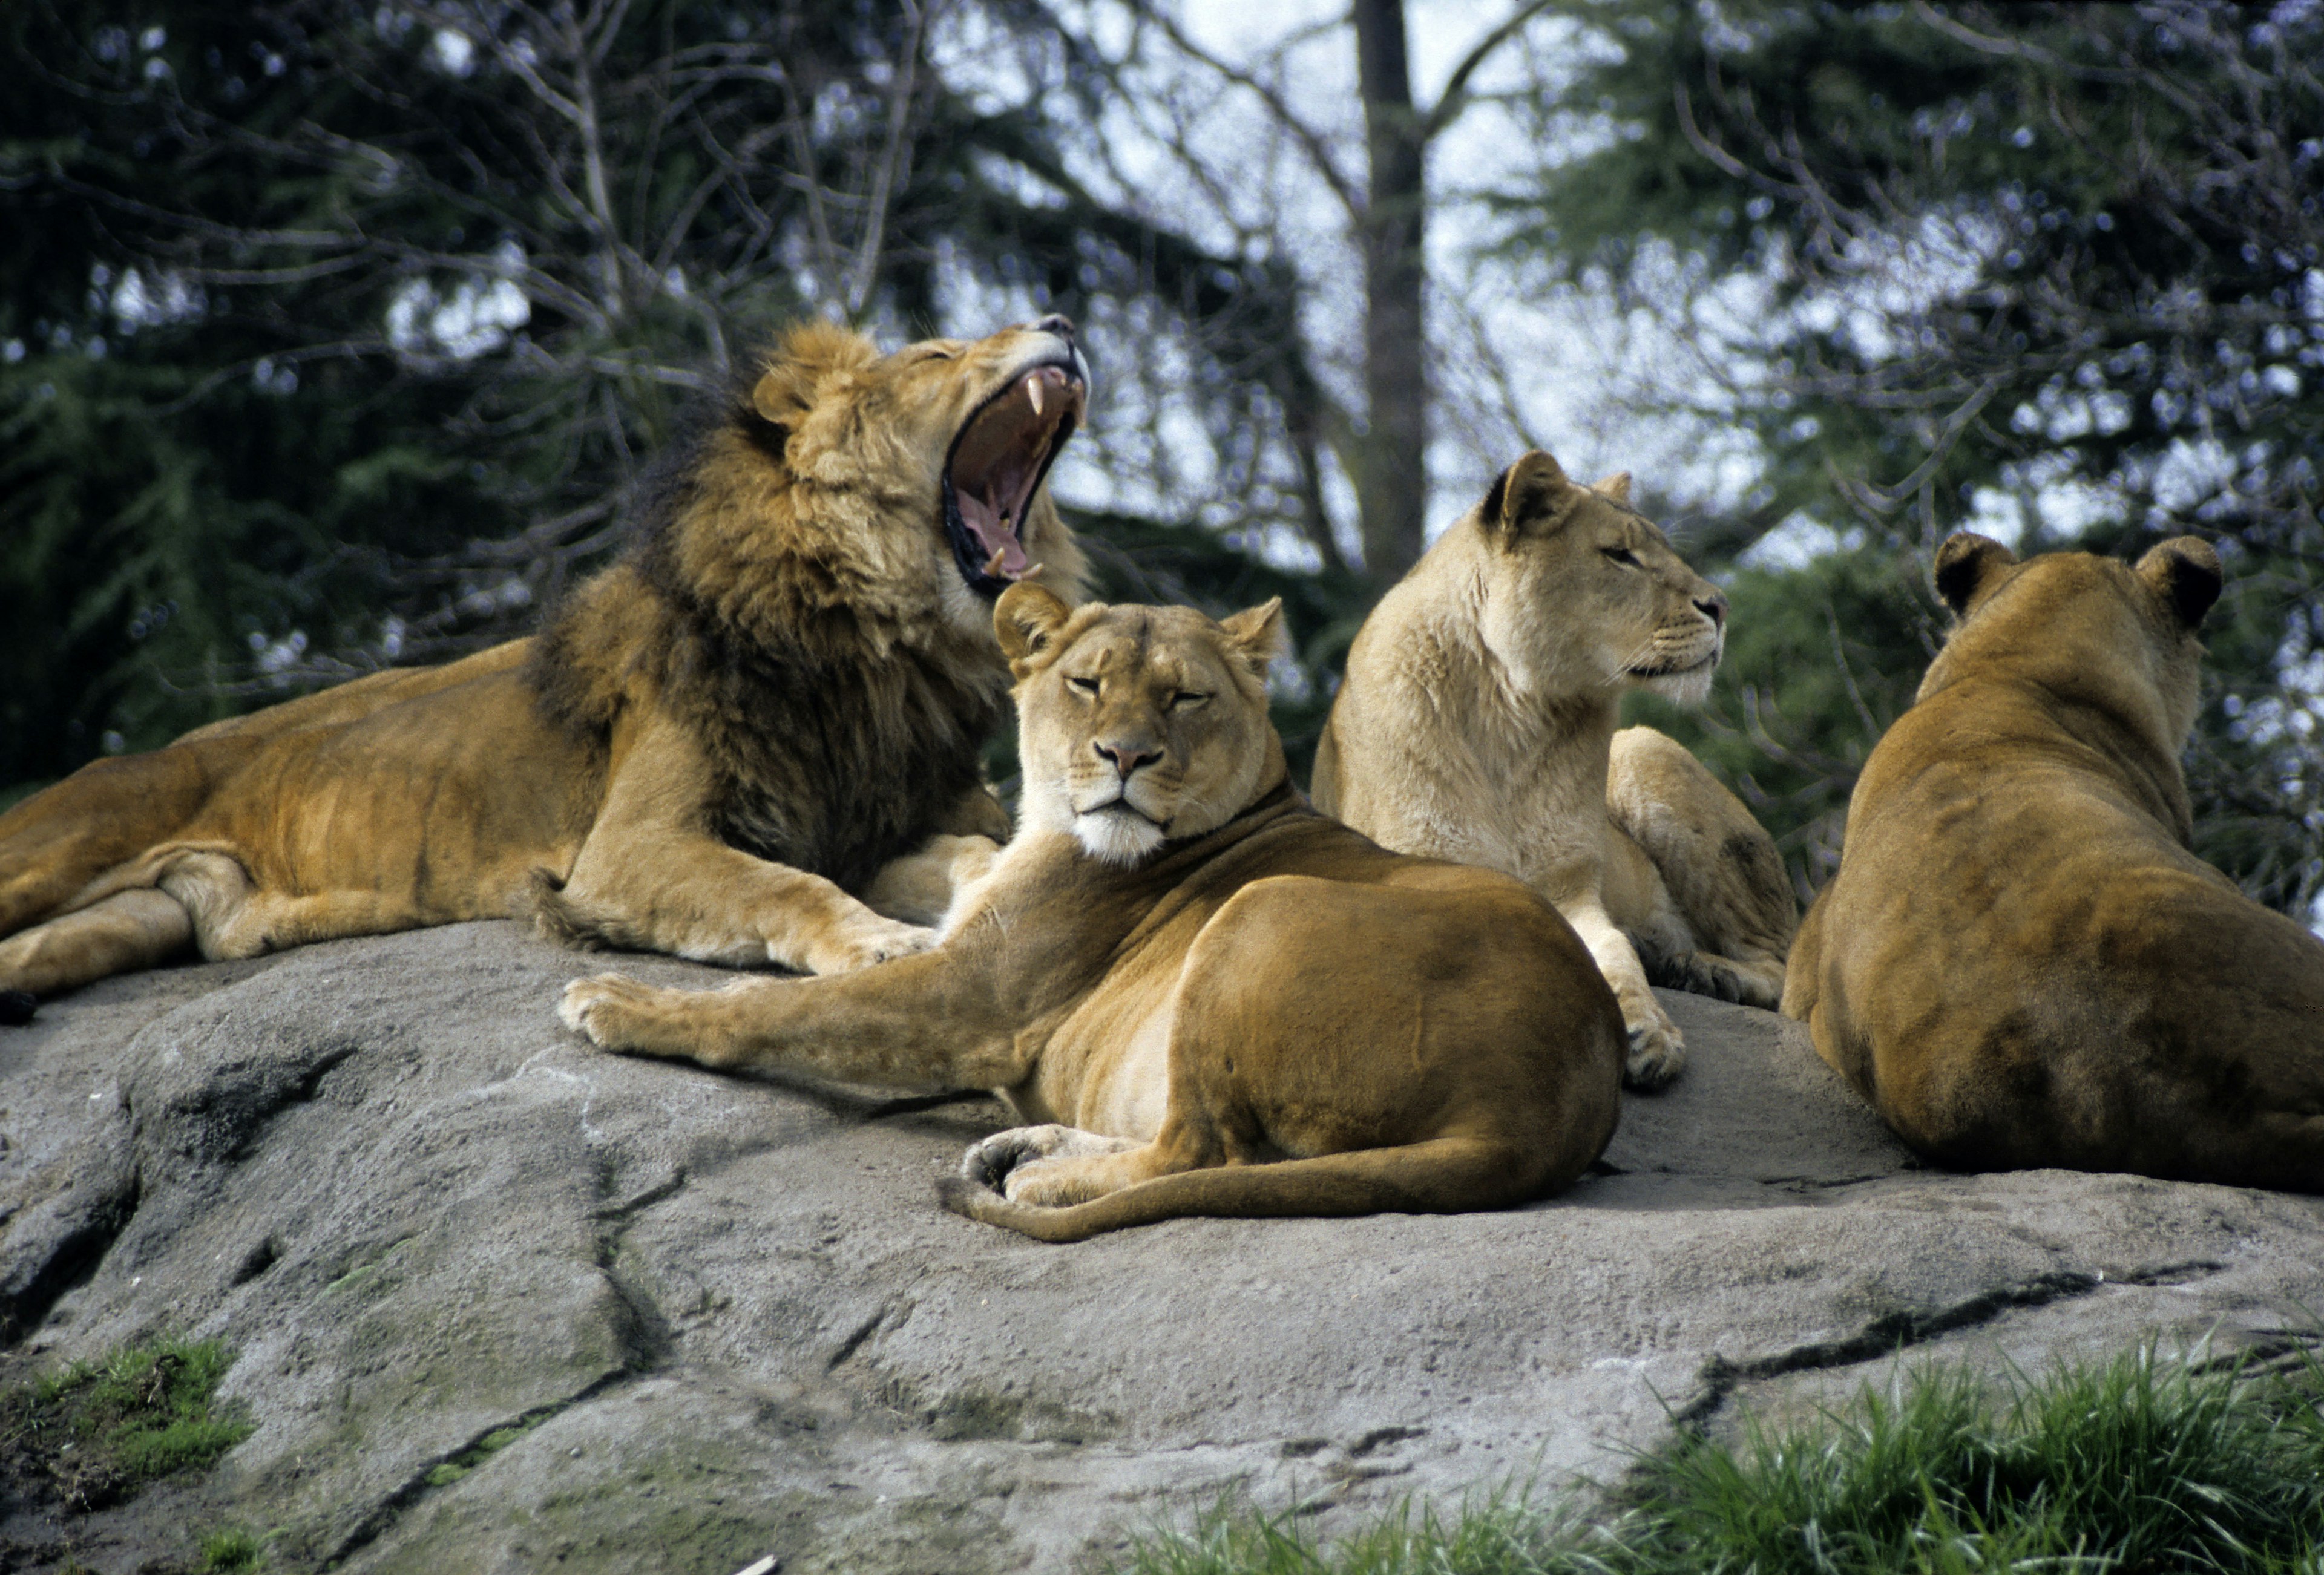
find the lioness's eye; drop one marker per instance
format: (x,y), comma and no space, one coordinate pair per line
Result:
(1621,555)
(1086,685)
(931,353)
(1186,700)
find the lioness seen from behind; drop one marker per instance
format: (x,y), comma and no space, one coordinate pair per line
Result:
(1205,998)
(2020,962)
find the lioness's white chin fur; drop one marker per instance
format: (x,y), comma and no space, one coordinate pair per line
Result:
(1691,687)
(1117,836)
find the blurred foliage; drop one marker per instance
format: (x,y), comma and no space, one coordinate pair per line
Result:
(2051,270)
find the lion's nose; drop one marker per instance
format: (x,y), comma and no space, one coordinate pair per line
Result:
(1125,758)
(1056,323)
(1713,607)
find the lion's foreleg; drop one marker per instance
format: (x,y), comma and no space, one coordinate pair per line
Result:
(912,1023)
(125,932)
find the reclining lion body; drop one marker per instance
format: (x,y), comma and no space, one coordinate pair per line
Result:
(770,708)
(1210,999)
(2020,963)
(1477,722)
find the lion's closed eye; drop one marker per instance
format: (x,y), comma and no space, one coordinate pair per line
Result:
(1187,699)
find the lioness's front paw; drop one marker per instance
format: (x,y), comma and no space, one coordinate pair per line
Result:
(1657,1053)
(864,942)
(601,1009)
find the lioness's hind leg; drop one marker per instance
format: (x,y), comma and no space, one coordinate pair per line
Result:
(1038,1164)
(1054,1166)
(129,930)
(918,888)
(1717,865)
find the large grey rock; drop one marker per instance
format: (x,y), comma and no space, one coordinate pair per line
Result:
(503,1304)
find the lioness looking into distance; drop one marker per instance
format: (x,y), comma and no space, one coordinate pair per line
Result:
(769,709)
(1477,722)
(1206,997)
(2019,961)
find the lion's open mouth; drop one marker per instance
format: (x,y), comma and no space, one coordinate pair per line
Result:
(996,466)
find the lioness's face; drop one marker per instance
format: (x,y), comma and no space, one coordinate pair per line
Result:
(1137,725)
(1581,591)
(972,425)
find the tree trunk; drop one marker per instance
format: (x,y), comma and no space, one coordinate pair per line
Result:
(1392,479)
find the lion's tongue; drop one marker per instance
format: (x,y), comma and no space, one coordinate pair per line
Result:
(994,530)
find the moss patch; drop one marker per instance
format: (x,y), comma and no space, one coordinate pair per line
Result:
(95,1432)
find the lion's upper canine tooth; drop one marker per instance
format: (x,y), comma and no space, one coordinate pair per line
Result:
(1033,390)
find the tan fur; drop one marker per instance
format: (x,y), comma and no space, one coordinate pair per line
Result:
(2019,961)
(777,694)
(1476,723)
(1206,997)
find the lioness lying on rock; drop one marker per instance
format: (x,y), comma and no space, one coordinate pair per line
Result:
(1208,998)
(1476,723)
(2019,961)
(766,712)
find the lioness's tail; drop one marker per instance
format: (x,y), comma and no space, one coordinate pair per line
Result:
(1443,1175)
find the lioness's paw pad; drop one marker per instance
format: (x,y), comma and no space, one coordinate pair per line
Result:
(1656,1054)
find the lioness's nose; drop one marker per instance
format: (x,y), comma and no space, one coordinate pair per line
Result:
(1125,758)
(1056,323)
(1713,607)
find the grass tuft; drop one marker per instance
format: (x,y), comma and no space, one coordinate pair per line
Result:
(231,1551)
(2140,1466)
(100,1431)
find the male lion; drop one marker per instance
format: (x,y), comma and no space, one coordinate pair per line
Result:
(775,699)
(1476,723)
(1212,999)
(2019,962)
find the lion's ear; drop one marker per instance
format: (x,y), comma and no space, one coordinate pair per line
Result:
(2184,571)
(1026,621)
(1257,634)
(1968,567)
(1534,492)
(1616,487)
(786,390)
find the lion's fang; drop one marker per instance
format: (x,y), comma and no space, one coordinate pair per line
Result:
(1033,390)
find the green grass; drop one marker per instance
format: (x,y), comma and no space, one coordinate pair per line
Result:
(232,1551)
(102,1430)
(2140,1466)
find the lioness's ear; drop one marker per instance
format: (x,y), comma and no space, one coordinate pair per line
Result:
(1968,565)
(2185,573)
(1257,634)
(1532,491)
(1026,621)
(1615,486)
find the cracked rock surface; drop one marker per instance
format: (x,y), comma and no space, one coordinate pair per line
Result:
(506,1304)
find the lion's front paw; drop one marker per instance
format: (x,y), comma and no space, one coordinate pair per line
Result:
(605,1009)
(864,942)
(1657,1053)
